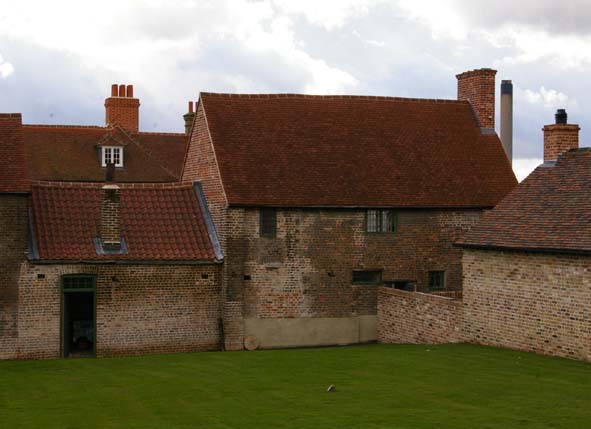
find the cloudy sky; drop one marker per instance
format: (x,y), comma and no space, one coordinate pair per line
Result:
(58,58)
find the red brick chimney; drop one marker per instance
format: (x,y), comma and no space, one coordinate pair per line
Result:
(478,87)
(560,137)
(122,109)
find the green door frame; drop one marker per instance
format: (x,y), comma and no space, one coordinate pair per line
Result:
(65,289)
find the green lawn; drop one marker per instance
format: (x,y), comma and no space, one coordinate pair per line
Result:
(451,386)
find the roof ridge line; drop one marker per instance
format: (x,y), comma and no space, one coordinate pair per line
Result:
(331,97)
(144,185)
(57,126)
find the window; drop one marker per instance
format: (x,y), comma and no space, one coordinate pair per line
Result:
(367,277)
(268,222)
(78,281)
(112,154)
(381,221)
(436,280)
(406,285)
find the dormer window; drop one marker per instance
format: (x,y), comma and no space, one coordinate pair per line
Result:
(112,154)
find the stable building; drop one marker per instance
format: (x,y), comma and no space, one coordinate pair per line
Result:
(319,200)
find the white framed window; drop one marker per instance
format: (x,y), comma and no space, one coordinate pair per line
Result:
(112,154)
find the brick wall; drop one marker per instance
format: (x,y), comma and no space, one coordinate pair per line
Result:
(306,271)
(418,318)
(147,309)
(233,325)
(13,245)
(527,301)
(478,87)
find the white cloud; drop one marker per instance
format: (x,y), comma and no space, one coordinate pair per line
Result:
(329,14)
(444,20)
(549,98)
(524,166)
(6,69)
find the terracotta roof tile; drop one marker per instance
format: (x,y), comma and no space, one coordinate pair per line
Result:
(159,222)
(14,178)
(302,150)
(549,211)
(71,153)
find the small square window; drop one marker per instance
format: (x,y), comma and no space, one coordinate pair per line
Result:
(268,222)
(367,276)
(112,154)
(381,221)
(436,280)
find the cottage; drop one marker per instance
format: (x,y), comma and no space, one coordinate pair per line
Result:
(95,268)
(527,265)
(318,200)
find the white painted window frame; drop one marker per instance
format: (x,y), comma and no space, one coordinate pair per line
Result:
(112,148)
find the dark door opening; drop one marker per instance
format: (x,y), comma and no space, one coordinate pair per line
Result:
(78,318)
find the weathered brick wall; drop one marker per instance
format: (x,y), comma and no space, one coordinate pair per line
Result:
(233,325)
(13,245)
(147,309)
(418,318)
(306,271)
(201,165)
(527,301)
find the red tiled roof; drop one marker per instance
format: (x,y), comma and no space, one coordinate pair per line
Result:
(300,150)
(13,167)
(549,211)
(70,153)
(159,222)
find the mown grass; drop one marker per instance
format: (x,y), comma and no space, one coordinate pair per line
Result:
(379,386)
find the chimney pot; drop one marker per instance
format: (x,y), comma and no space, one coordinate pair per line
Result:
(121,90)
(561,116)
(190,107)
(129,91)
(114,90)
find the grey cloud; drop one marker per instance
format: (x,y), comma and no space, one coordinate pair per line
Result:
(567,17)
(410,63)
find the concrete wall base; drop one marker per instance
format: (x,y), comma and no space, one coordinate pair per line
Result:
(311,331)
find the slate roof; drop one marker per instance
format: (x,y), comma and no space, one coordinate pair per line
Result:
(549,211)
(358,151)
(70,153)
(13,167)
(159,222)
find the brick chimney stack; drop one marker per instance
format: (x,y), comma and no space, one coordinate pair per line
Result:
(110,227)
(189,117)
(478,87)
(560,136)
(122,108)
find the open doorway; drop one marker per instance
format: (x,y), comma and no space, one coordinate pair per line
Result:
(78,316)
